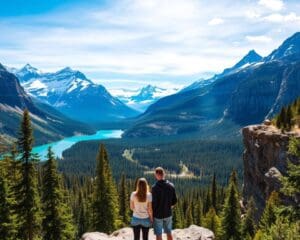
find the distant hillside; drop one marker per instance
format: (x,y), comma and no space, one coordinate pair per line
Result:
(48,123)
(245,94)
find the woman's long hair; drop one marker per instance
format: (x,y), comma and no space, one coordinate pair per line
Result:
(142,190)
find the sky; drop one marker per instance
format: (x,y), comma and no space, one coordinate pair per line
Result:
(131,43)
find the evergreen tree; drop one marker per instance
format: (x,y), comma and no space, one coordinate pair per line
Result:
(259,235)
(8,225)
(231,219)
(283,229)
(269,214)
(106,203)
(213,222)
(289,116)
(189,216)
(199,213)
(214,193)
(248,225)
(291,182)
(207,203)
(82,225)
(124,201)
(177,217)
(28,208)
(281,119)
(57,223)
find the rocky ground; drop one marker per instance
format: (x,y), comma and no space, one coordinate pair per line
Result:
(192,233)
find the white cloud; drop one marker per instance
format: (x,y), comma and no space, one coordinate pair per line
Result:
(133,38)
(274,5)
(259,39)
(280,18)
(215,21)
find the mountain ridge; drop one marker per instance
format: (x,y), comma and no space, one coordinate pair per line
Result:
(236,99)
(72,93)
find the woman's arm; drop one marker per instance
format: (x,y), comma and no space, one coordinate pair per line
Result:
(131,205)
(149,209)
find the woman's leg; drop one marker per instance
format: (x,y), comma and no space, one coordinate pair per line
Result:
(145,231)
(136,232)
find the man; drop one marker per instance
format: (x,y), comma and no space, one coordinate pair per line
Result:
(163,199)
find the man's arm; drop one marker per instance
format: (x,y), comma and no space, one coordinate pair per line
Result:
(174,198)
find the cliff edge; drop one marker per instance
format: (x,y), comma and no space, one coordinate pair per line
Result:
(265,160)
(191,233)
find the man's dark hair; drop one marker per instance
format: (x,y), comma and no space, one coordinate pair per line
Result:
(160,171)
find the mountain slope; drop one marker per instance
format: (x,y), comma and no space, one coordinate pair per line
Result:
(48,123)
(250,58)
(70,92)
(241,97)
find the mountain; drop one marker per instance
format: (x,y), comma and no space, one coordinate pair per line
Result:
(48,123)
(72,93)
(142,98)
(250,58)
(244,96)
(290,48)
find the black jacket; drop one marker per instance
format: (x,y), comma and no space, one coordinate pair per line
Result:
(163,198)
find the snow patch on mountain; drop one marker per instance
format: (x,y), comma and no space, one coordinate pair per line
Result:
(141,98)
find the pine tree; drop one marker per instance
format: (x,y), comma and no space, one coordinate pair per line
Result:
(213,222)
(189,216)
(28,206)
(289,116)
(124,201)
(207,203)
(57,223)
(259,235)
(214,193)
(291,182)
(231,219)
(269,214)
(177,217)
(248,225)
(8,225)
(82,225)
(199,213)
(281,119)
(106,203)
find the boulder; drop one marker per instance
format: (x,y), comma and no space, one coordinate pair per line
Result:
(191,233)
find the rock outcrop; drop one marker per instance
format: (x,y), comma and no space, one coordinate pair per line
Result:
(192,233)
(265,160)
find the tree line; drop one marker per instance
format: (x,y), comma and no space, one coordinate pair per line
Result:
(289,116)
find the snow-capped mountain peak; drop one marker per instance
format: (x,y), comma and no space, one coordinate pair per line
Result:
(27,72)
(290,47)
(250,57)
(141,98)
(72,93)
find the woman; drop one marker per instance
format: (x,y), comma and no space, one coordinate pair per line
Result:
(141,205)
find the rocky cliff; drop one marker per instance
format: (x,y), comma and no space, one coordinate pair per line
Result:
(192,233)
(265,160)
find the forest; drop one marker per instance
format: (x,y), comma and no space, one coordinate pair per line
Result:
(289,116)
(38,200)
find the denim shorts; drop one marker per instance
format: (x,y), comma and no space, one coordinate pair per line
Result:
(145,222)
(162,224)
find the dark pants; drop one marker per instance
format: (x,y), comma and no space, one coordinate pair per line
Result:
(136,231)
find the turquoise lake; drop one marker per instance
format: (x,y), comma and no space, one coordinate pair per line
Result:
(61,145)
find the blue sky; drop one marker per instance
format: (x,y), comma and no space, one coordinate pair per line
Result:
(130,43)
